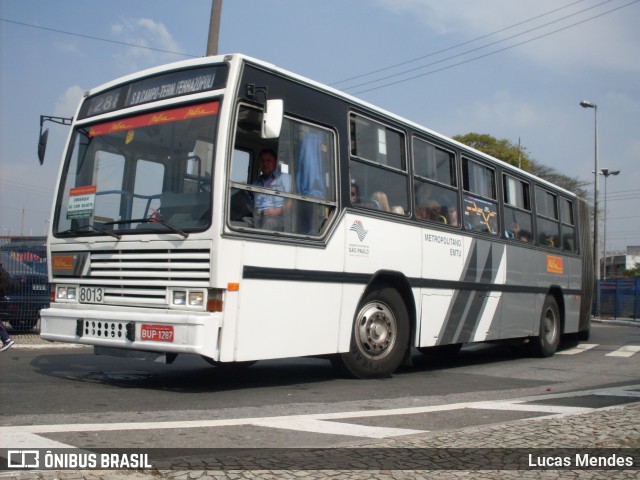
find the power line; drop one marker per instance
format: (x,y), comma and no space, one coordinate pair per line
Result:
(458,45)
(481,56)
(22,187)
(63,32)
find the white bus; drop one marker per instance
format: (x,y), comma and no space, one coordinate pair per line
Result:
(227,208)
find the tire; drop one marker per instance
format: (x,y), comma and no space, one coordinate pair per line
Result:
(379,338)
(546,343)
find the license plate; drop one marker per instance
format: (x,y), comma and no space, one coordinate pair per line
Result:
(156,333)
(91,295)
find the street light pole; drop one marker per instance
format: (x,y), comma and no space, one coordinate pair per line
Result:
(596,260)
(605,172)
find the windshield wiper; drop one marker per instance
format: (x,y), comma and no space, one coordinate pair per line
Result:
(93,227)
(173,228)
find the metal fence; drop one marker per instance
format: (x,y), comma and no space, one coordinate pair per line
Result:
(24,287)
(620,297)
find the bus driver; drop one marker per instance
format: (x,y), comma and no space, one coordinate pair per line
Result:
(269,209)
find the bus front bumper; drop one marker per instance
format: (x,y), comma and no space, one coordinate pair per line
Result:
(164,331)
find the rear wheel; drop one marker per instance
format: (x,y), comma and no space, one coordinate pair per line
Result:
(379,338)
(546,343)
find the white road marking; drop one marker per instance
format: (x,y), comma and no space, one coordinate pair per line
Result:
(625,351)
(16,440)
(28,435)
(520,407)
(335,428)
(579,349)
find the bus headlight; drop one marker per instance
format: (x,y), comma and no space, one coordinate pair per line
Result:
(66,293)
(179,297)
(190,299)
(196,299)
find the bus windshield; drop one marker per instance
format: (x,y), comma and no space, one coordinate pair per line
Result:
(149,172)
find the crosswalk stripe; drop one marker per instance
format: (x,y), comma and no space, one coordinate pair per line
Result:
(335,428)
(625,351)
(579,349)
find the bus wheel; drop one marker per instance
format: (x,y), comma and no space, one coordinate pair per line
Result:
(379,338)
(546,343)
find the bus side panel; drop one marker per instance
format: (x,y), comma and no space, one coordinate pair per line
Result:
(443,258)
(371,246)
(522,271)
(293,309)
(573,301)
(474,311)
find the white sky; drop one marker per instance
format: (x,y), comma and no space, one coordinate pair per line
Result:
(530,91)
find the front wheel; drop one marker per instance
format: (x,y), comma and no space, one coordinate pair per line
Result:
(379,338)
(546,343)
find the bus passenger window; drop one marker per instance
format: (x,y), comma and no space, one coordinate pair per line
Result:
(378,166)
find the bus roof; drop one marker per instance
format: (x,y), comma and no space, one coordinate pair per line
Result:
(238,58)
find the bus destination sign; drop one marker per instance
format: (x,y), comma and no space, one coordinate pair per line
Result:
(156,88)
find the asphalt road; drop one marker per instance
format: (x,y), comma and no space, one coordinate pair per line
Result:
(87,401)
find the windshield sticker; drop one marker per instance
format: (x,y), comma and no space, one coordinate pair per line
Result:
(166,116)
(82,201)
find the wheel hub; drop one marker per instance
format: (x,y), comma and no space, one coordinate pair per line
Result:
(376,330)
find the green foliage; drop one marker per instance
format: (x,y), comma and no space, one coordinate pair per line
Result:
(519,157)
(632,272)
(501,149)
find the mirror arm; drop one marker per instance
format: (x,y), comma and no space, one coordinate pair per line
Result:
(59,120)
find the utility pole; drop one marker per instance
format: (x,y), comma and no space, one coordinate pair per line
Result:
(214,28)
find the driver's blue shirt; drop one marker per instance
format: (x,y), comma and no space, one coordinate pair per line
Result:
(276,181)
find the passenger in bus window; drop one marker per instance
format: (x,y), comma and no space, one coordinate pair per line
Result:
(452,213)
(524,236)
(269,209)
(355,193)
(431,211)
(381,201)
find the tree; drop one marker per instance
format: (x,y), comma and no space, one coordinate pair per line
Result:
(515,155)
(632,272)
(501,149)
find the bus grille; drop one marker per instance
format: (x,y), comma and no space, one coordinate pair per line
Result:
(141,277)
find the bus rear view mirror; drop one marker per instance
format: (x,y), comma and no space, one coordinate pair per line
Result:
(44,136)
(272,119)
(42,145)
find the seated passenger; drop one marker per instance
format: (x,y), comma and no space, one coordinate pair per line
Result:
(355,193)
(431,211)
(382,201)
(452,216)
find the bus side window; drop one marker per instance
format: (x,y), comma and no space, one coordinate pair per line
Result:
(378,166)
(303,182)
